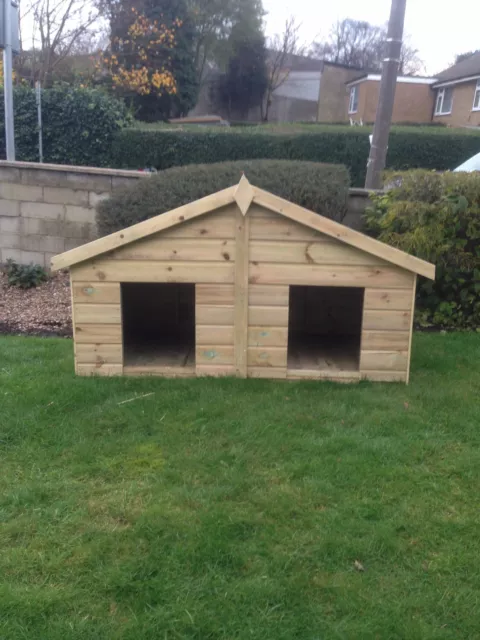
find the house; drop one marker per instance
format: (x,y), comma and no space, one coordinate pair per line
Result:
(313,91)
(243,283)
(414,99)
(457,94)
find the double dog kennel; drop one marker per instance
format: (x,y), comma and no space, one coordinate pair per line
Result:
(243,283)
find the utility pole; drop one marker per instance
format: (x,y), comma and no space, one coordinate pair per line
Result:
(7,78)
(383,120)
(38,95)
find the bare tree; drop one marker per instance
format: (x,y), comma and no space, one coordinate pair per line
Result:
(59,28)
(281,50)
(356,43)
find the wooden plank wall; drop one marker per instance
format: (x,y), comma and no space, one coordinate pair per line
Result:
(201,251)
(386,333)
(97,326)
(284,253)
(280,253)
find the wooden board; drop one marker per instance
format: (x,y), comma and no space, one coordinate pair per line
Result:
(214,315)
(98,313)
(99,370)
(214,334)
(215,371)
(268,337)
(386,320)
(149,271)
(325,251)
(267,357)
(220,224)
(385,376)
(273,227)
(99,353)
(241,292)
(330,276)
(98,333)
(412,318)
(277,373)
(384,361)
(214,294)
(268,295)
(162,372)
(214,355)
(326,375)
(268,316)
(392,299)
(96,292)
(146,228)
(385,340)
(173,249)
(345,234)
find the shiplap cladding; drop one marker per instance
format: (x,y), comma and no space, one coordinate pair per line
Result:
(243,255)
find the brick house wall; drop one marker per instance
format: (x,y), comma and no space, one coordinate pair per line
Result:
(462,114)
(414,102)
(332,93)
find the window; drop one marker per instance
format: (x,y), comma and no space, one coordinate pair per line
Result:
(443,106)
(353,105)
(476,99)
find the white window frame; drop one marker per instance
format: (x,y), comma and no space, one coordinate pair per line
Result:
(476,97)
(353,96)
(441,99)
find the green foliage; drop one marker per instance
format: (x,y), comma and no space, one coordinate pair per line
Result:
(321,188)
(78,125)
(245,80)
(24,276)
(436,217)
(435,148)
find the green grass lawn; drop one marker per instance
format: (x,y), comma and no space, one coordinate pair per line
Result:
(236,509)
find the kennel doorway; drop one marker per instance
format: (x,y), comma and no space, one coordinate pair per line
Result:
(158,325)
(325,328)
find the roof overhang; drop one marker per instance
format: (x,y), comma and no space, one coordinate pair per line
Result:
(449,83)
(244,194)
(376,77)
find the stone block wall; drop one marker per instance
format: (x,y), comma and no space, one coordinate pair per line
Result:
(47,209)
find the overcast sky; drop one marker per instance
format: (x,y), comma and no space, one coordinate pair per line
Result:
(438,31)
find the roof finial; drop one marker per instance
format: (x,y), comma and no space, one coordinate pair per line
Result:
(244,194)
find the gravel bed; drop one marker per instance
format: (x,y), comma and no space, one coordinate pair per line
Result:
(40,311)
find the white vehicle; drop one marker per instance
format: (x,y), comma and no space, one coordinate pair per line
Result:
(472,164)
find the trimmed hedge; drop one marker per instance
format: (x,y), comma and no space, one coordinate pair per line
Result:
(436,217)
(78,125)
(319,187)
(437,148)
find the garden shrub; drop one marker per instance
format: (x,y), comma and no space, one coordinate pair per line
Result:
(429,148)
(319,187)
(24,276)
(78,125)
(436,217)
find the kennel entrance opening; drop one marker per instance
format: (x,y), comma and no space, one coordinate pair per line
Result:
(158,321)
(325,328)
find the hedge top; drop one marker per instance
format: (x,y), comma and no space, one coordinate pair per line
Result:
(244,194)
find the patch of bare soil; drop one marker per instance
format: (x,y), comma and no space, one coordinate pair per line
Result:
(41,311)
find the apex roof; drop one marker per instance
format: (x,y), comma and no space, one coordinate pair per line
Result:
(467,68)
(243,194)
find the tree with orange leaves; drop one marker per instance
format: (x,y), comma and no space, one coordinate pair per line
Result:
(139,62)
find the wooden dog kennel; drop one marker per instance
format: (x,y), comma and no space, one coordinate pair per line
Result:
(243,283)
